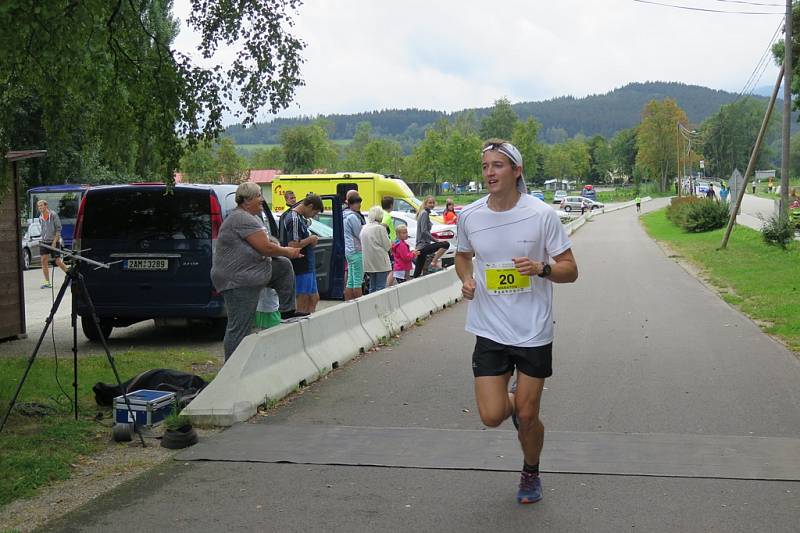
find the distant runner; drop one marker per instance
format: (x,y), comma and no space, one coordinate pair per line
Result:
(520,250)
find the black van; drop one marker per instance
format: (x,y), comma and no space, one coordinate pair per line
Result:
(159,245)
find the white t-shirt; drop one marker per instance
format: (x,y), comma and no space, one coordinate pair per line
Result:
(530,229)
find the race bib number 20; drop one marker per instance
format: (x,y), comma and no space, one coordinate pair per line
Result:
(503,278)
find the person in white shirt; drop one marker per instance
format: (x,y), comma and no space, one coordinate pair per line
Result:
(520,249)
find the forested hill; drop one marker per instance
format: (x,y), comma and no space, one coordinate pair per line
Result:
(564,116)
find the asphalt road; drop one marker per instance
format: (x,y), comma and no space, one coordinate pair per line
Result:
(641,347)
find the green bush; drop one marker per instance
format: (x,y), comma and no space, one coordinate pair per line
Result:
(777,230)
(697,215)
(706,215)
(678,207)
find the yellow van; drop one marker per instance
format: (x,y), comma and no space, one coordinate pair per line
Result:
(371,187)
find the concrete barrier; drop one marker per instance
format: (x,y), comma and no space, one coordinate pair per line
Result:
(444,288)
(380,314)
(334,336)
(414,298)
(266,366)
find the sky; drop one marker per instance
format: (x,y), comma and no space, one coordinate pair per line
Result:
(447,55)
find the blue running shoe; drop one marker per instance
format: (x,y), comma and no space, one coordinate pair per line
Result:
(530,488)
(513,390)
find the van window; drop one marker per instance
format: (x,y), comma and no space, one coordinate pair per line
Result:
(402,205)
(65,204)
(147,213)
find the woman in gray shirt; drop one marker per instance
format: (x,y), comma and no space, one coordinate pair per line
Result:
(243,265)
(424,240)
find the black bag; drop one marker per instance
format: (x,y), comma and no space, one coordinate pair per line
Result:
(185,386)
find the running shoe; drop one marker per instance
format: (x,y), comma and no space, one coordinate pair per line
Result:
(530,488)
(514,419)
(46,285)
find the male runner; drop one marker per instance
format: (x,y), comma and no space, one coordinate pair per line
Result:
(520,250)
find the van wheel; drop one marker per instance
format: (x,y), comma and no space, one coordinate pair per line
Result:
(90,330)
(218,327)
(26,259)
(567,208)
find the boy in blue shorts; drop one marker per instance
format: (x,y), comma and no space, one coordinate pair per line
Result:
(294,233)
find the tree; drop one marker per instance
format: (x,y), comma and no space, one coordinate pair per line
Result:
(383,156)
(307,148)
(600,159)
(462,156)
(199,164)
(428,161)
(230,165)
(656,140)
(500,122)
(730,134)
(354,152)
(623,152)
(104,75)
(525,137)
(263,158)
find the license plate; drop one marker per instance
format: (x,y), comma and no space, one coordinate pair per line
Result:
(145,264)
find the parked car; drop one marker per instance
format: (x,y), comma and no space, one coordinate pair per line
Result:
(558,196)
(439,232)
(159,248)
(538,194)
(30,245)
(589,192)
(571,203)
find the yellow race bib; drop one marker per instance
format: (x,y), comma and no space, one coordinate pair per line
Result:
(503,278)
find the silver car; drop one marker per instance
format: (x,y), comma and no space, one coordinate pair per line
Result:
(570,203)
(30,245)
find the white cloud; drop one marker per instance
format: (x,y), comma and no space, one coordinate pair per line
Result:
(367,55)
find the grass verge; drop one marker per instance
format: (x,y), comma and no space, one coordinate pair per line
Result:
(763,281)
(45,444)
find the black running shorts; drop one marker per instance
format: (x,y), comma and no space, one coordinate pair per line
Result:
(491,358)
(51,253)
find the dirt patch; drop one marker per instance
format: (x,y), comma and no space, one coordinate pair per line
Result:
(91,477)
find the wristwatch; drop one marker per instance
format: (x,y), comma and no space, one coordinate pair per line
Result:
(545,270)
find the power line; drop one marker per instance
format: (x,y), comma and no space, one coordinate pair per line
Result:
(750,3)
(709,10)
(761,65)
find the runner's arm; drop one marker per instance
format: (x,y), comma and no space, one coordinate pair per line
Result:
(564,270)
(464,272)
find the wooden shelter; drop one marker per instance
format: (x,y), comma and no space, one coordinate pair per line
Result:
(12,285)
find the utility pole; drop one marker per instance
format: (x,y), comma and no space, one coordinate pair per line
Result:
(752,163)
(787,110)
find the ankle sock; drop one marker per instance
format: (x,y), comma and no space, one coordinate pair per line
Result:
(530,469)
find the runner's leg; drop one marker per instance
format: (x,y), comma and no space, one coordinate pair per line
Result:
(491,395)
(527,401)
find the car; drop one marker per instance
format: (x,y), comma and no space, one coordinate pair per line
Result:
(570,203)
(439,232)
(558,196)
(159,248)
(30,245)
(589,192)
(538,194)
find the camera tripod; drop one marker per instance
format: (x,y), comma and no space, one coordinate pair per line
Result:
(74,279)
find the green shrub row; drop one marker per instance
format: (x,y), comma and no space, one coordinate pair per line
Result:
(697,215)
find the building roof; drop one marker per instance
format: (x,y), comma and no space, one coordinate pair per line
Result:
(19,155)
(263,175)
(254,175)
